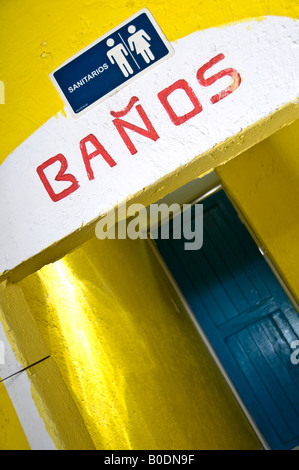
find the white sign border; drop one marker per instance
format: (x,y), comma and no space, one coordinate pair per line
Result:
(127,82)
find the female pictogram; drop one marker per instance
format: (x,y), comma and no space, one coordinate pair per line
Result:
(139,43)
(118,55)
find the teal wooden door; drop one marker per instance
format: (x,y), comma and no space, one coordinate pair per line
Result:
(246,316)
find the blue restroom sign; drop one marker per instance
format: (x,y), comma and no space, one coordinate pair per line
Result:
(111,62)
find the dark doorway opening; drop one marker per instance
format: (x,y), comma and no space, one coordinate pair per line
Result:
(246,316)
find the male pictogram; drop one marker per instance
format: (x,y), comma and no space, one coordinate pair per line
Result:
(118,55)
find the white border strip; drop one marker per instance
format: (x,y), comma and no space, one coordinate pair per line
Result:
(19,391)
(127,82)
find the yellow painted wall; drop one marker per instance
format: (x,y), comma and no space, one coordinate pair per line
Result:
(36,37)
(264,183)
(49,391)
(128,370)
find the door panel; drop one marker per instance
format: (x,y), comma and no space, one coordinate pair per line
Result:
(246,316)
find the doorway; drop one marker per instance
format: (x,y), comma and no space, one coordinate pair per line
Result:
(246,316)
